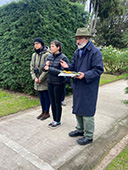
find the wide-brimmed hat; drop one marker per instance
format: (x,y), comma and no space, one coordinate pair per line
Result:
(83,32)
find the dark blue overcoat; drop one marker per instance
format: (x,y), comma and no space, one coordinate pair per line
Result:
(85,91)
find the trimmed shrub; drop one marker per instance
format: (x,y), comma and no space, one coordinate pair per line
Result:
(21,22)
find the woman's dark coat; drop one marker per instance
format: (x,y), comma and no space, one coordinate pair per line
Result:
(85,91)
(55,68)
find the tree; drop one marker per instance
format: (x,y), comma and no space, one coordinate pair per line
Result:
(114,30)
(101,9)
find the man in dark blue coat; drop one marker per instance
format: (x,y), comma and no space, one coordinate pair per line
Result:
(87,60)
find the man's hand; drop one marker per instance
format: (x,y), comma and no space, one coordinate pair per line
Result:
(81,76)
(64,64)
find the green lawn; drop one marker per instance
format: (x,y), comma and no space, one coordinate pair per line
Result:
(14,102)
(107,78)
(120,162)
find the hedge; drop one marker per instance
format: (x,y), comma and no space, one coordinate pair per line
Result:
(21,22)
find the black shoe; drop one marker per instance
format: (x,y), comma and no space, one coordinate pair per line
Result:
(75,133)
(84,141)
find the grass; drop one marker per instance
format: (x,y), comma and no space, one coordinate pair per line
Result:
(125,101)
(108,78)
(14,102)
(120,162)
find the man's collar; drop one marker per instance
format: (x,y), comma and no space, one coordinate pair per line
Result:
(87,46)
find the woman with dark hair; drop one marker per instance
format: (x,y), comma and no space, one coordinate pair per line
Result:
(55,82)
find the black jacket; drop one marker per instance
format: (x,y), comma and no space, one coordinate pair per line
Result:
(55,68)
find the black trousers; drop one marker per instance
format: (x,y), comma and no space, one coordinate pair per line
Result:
(55,93)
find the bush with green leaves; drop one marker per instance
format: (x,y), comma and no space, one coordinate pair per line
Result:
(21,22)
(115,60)
(126,89)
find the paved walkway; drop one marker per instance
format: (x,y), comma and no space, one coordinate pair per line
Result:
(28,144)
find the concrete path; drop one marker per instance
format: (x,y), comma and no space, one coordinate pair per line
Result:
(28,144)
